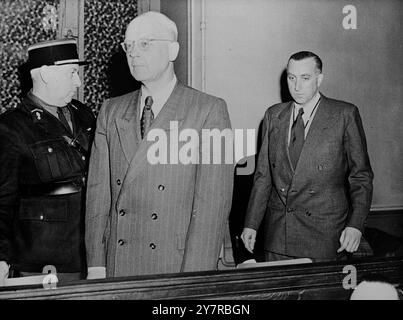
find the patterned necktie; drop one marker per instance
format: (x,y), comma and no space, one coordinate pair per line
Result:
(64,116)
(297,138)
(147,117)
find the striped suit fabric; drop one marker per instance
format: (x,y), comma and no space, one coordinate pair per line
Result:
(144,218)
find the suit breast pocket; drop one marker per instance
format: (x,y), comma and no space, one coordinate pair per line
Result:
(52,159)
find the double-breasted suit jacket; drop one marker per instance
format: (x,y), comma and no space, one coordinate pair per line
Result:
(305,210)
(145,218)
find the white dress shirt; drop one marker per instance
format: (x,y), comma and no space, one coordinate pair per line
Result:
(159,98)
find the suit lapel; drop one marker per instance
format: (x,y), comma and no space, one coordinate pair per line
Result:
(128,127)
(173,110)
(324,118)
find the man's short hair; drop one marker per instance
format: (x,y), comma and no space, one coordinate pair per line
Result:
(307,54)
(162,20)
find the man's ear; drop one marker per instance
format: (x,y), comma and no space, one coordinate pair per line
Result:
(320,79)
(46,74)
(173,51)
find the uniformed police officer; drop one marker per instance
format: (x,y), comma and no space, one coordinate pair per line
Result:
(44,146)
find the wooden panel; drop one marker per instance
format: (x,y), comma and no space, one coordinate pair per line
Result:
(309,281)
(148,5)
(71,25)
(178,12)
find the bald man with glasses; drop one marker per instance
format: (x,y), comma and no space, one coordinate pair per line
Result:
(152,218)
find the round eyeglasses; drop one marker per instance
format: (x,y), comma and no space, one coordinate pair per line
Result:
(141,44)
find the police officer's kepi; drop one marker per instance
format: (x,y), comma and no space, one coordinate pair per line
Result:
(53,53)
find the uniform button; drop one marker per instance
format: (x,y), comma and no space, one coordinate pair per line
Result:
(154,216)
(83,158)
(121,242)
(118,182)
(50,150)
(152,246)
(161,187)
(122,212)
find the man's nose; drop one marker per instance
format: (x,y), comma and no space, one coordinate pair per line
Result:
(134,51)
(297,85)
(77,81)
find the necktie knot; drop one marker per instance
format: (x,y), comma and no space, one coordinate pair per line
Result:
(149,102)
(147,117)
(300,112)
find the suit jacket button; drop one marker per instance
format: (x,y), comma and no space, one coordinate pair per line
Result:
(50,150)
(41,217)
(121,242)
(290,209)
(154,216)
(152,246)
(122,212)
(320,167)
(83,158)
(282,189)
(161,187)
(118,182)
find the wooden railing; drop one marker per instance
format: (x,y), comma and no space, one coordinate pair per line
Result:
(305,281)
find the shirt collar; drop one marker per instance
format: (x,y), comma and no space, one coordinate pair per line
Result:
(42,104)
(159,98)
(308,108)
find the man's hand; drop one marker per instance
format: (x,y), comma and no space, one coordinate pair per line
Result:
(96,273)
(350,239)
(248,237)
(3,272)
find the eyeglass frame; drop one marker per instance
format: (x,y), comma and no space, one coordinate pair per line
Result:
(123,44)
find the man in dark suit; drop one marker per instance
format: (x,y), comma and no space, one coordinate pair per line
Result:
(43,162)
(147,217)
(313,181)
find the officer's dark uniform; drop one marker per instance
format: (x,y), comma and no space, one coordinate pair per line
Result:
(42,173)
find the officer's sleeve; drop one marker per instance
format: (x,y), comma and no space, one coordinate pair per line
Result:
(262,183)
(9,164)
(98,193)
(212,200)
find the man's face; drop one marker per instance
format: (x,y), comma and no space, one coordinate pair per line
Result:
(148,65)
(63,83)
(303,79)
